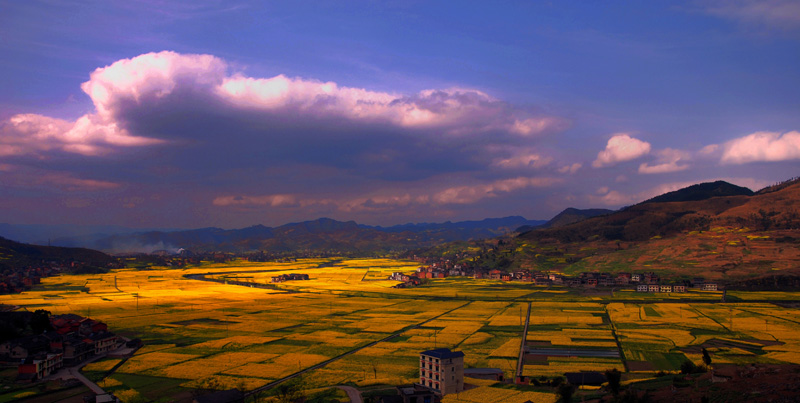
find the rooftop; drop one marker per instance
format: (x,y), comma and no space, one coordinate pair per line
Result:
(443,353)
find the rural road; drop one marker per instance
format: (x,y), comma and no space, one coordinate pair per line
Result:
(352,393)
(76,373)
(521,358)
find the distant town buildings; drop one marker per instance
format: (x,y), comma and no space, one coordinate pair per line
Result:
(289,277)
(641,282)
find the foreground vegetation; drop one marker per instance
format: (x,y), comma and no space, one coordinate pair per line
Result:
(200,334)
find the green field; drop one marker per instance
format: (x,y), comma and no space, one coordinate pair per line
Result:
(198,333)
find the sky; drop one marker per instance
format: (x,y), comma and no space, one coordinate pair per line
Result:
(236,113)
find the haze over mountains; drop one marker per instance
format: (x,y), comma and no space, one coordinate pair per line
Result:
(323,234)
(656,229)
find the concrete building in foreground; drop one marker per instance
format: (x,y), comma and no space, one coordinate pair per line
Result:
(442,370)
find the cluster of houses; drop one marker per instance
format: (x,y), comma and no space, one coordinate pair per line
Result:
(74,339)
(289,276)
(641,282)
(23,279)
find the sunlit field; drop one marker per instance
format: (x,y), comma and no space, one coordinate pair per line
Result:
(199,333)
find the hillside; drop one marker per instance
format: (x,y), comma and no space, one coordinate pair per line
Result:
(702,191)
(321,235)
(568,216)
(15,255)
(690,232)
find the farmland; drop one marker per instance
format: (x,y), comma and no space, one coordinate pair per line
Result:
(200,333)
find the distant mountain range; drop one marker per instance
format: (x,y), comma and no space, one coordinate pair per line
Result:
(53,234)
(322,235)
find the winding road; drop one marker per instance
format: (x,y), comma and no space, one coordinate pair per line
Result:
(352,393)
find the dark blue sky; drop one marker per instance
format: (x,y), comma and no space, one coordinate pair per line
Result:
(237,113)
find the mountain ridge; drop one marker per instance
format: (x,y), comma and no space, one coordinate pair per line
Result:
(321,234)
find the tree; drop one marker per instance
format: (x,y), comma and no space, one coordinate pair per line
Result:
(706,357)
(688,367)
(291,390)
(614,377)
(40,321)
(565,390)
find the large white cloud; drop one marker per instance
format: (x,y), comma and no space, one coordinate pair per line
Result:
(762,146)
(621,147)
(146,99)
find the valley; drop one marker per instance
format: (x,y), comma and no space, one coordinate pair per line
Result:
(201,334)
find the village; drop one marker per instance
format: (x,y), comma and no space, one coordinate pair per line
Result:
(640,282)
(68,343)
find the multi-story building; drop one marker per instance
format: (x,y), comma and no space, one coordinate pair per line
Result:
(442,370)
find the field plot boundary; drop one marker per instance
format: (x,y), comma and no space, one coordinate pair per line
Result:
(324,363)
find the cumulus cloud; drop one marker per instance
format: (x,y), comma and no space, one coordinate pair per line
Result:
(762,146)
(35,135)
(621,147)
(204,116)
(668,161)
(154,77)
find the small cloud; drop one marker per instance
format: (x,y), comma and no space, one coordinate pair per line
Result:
(762,146)
(621,147)
(709,150)
(766,14)
(570,169)
(471,194)
(524,160)
(277,200)
(668,161)
(536,126)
